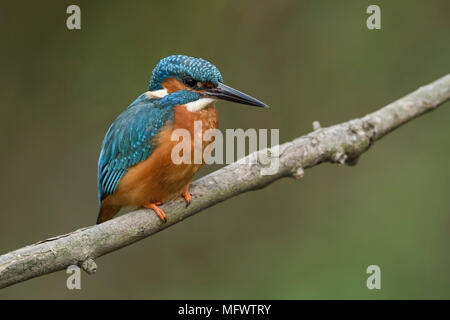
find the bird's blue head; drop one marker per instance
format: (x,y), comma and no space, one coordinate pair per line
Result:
(184,68)
(198,79)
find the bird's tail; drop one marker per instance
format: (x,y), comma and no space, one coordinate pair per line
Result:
(107,212)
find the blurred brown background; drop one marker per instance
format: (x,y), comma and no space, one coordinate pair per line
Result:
(309,60)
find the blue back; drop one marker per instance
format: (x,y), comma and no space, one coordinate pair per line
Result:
(128,140)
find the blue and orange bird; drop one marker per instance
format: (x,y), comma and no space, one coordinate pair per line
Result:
(135,168)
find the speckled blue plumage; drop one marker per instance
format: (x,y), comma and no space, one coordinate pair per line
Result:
(179,66)
(127,141)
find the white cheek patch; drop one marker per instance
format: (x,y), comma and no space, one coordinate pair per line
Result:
(199,104)
(193,106)
(156,94)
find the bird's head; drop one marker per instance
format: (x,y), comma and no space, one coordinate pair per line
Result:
(199,79)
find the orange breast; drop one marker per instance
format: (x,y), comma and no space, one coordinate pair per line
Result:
(158,179)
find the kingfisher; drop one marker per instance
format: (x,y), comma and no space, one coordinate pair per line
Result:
(135,168)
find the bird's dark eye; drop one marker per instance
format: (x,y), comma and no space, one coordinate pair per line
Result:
(189,82)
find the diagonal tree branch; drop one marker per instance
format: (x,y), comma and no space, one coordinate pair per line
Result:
(342,144)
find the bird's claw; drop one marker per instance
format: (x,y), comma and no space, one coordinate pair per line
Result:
(158,210)
(187,198)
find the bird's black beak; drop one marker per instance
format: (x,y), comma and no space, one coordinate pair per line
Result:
(225,92)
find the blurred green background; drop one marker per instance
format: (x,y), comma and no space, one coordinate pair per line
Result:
(309,60)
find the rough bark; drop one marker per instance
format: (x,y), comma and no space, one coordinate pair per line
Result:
(342,144)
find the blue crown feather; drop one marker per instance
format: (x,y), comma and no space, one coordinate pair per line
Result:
(179,66)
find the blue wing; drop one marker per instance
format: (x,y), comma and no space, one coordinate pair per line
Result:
(128,141)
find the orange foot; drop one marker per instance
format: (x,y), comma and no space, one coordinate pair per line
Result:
(187,197)
(158,210)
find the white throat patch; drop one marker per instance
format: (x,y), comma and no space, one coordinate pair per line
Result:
(156,94)
(193,106)
(199,104)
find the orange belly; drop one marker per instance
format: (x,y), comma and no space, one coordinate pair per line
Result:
(158,179)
